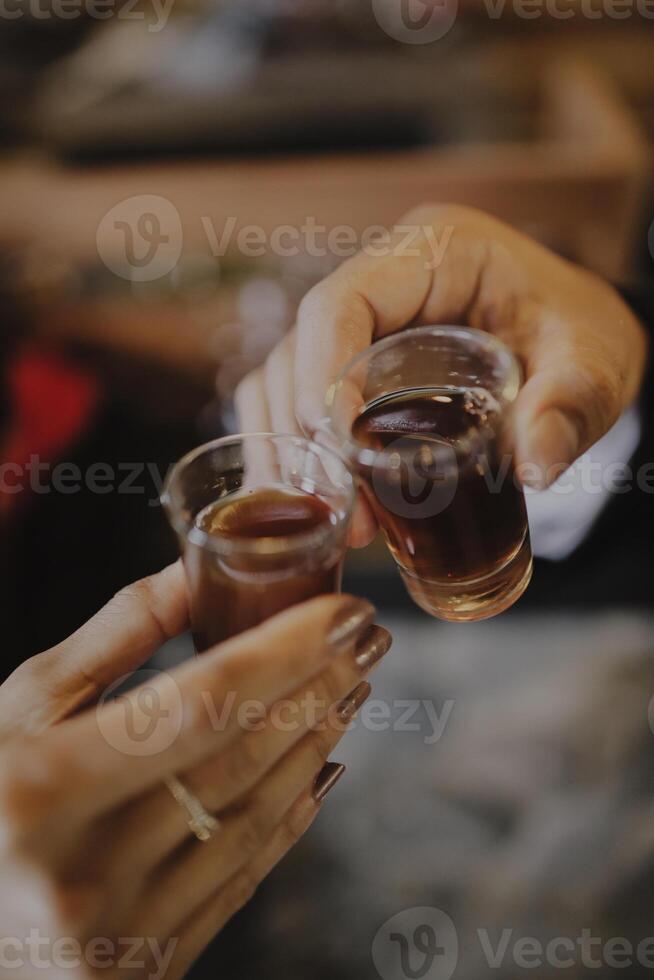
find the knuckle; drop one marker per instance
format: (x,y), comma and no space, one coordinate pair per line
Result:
(74,905)
(241,890)
(323,744)
(227,679)
(293,828)
(602,383)
(196,722)
(140,598)
(246,387)
(435,213)
(138,593)
(252,830)
(312,302)
(30,788)
(429,212)
(27,672)
(319,749)
(245,761)
(327,691)
(276,359)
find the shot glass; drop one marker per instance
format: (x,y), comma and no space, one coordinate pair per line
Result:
(424,419)
(262,522)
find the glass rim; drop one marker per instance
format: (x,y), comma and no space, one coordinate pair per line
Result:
(351,448)
(266,545)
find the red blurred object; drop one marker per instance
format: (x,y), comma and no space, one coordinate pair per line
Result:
(52,403)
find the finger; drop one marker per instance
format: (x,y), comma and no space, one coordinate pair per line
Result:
(196,871)
(124,748)
(280,387)
(367,298)
(363,529)
(372,295)
(329,700)
(579,383)
(251,404)
(113,643)
(201,927)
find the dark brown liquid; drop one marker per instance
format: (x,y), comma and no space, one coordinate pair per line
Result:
(450,509)
(237,590)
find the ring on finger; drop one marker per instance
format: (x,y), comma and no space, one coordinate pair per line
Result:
(202,823)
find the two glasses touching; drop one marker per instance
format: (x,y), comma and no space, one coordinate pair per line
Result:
(421,423)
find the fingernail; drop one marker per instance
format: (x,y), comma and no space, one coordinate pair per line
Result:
(374,645)
(553,444)
(350,621)
(326,779)
(351,704)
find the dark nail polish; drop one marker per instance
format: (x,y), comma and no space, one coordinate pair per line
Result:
(326,779)
(350,621)
(372,647)
(351,704)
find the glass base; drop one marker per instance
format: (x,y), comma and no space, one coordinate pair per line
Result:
(469,600)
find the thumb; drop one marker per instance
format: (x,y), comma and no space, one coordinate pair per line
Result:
(559,414)
(121,637)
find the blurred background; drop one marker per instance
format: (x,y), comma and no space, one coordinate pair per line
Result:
(170,174)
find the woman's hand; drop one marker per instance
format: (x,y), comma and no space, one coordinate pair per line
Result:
(100,871)
(582,349)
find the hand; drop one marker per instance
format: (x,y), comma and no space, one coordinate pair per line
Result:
(582,349)
(93,847)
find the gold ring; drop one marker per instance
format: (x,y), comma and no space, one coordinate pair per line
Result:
(203,824)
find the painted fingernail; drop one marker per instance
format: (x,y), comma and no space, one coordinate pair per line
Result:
(372,647)
(350,621)
(351,704)
(326,779)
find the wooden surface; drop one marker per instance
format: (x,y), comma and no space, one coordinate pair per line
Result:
(579,187)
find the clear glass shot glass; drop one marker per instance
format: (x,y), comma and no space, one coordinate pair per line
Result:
(423,417)
(262,521)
